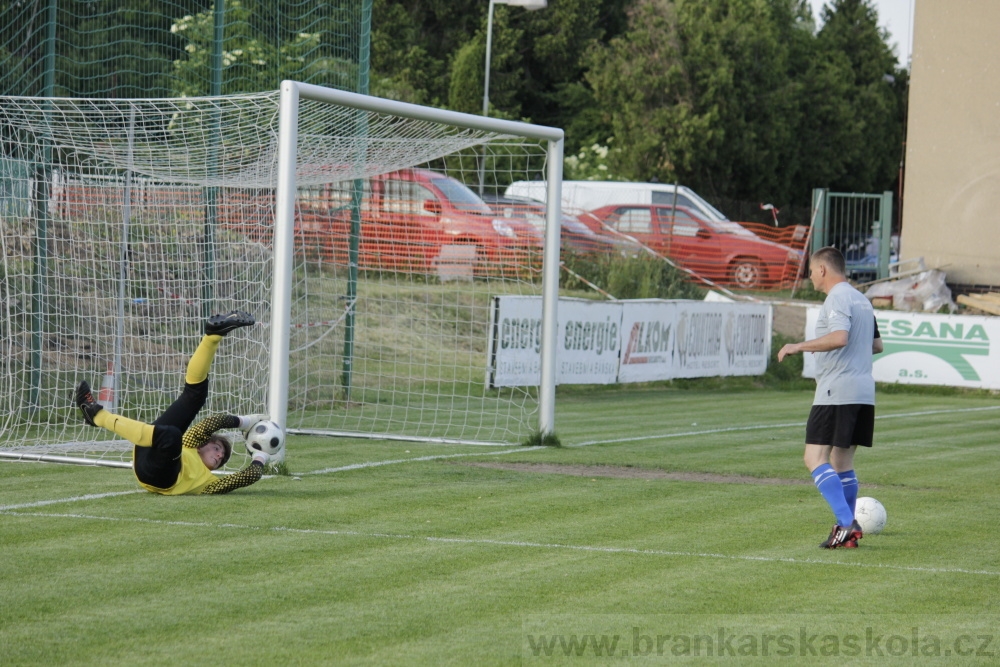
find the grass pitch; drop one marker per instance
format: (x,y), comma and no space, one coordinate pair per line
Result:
(671,526)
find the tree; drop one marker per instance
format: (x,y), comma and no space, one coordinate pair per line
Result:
(435,53)
(263,44)
(700,92)
(103,48)
(863,154)
(738,98)
(414,43)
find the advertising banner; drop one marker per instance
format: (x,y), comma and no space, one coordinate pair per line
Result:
(746,336)
(515,342)
(589,340)
(641,340)
(587,345)
(926,348)
(721,339)
(647,340)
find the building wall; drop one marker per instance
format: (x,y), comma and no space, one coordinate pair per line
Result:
(951,197)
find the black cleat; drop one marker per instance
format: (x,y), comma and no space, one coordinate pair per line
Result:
(843,537)
(220,325)
(85,401)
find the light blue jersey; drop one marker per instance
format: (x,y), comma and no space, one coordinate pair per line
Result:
(844,376)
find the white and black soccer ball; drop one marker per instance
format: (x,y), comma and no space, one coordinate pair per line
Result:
(265,436)
(870,515)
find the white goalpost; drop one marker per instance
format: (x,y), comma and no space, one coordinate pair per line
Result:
(292,96)
(349,225)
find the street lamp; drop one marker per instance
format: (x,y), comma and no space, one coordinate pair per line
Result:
(527,4)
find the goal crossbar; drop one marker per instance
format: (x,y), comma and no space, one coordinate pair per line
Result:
(291,94)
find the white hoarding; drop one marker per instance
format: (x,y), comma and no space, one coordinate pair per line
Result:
(515,342)
(647,340)
(587,345)
(924,348)
(746,336)
(601,342)
(721,339)
(589,340)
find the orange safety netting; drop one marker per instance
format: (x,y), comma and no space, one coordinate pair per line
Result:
(720,254)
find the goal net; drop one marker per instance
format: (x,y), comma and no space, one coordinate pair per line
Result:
(125,223)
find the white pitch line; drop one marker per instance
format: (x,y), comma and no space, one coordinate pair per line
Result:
(938,412)
(758,427)
(375,464)
(727,429)
(92,496)
(521,544)
(353,466)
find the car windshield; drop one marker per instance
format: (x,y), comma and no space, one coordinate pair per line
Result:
(460,196)
(535,214)
(713,213)
(729,227)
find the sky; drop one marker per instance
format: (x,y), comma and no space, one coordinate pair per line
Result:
(896,16)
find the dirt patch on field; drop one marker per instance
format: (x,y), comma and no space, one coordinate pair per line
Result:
(626,472)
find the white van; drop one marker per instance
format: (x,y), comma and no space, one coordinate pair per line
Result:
(578,196)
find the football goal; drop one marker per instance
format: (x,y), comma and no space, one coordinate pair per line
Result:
(367,236)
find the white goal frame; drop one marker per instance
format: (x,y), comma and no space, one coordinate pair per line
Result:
(283,244)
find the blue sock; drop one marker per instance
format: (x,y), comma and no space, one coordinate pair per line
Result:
(850,482)
(826,480)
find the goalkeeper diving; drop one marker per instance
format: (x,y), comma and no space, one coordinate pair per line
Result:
(170,456)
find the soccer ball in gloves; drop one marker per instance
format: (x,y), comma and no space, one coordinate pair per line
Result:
(265,436)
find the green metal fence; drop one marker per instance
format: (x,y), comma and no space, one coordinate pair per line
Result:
(173,48)
(860,225)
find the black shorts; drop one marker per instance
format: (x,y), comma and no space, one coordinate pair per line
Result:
(841,425)
(159,465)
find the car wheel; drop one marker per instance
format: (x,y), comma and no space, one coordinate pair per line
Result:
(745,273)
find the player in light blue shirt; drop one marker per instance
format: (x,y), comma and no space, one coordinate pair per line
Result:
(843,412)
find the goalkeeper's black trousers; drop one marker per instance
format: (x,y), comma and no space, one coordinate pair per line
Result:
(160,464)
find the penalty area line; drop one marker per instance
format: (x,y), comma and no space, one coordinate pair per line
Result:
(518,544)
(415,459)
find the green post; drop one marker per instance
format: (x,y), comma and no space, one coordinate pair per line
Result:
(50,49)
(43,174)
(212,191)
(821,203)
(357,193)
(885,235)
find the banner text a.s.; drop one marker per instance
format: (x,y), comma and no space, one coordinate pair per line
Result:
(930,349)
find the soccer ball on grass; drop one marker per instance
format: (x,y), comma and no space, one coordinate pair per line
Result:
(870,514)
(265,436)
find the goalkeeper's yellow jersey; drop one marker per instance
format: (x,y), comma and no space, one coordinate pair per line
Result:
(194,476)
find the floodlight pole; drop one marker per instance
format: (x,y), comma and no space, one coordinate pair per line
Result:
(486,94)
(529,5)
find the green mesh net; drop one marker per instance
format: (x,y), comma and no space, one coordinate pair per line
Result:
(175,48)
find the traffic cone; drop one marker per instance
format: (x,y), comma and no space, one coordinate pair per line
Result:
(106,394)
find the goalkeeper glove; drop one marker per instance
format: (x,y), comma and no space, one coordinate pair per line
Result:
(261,458)
(247,422)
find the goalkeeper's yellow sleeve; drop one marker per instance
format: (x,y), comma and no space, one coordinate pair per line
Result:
(199,434)
(245,477)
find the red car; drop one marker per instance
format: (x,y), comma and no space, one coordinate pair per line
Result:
(574,235)
(417,220)
(723,252)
